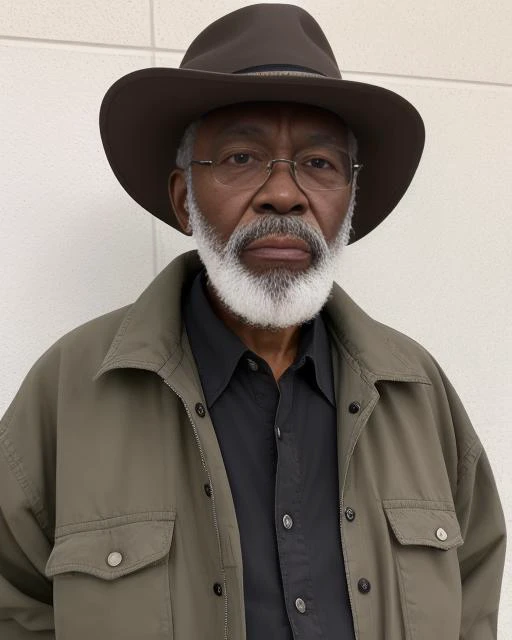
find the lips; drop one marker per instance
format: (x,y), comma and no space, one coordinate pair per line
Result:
(278,248)
(279,242)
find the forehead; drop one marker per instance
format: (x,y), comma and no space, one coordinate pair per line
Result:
(263,118)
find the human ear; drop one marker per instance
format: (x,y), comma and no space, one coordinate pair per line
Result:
(177,188)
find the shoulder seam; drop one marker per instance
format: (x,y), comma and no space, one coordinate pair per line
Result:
(469,458)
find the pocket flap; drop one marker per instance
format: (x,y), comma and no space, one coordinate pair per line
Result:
(424,522)
(112,549)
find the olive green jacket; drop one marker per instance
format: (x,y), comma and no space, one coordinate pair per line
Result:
(116,516)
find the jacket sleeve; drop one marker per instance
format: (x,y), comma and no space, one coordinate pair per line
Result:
(482,523)
(26,533)
(482,556)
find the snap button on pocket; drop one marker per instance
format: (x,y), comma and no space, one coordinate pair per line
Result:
(114,559)
(441,534)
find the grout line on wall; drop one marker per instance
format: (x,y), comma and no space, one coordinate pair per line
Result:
(88,45)
(27,41)
(154,242)
(404,76)
(152,27)
(154,234)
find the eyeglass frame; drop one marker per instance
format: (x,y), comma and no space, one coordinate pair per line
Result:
(355,168)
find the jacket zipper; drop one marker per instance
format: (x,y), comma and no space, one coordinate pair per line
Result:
(214,511)
(349,582)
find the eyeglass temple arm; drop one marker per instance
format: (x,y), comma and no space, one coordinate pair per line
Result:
(356,168)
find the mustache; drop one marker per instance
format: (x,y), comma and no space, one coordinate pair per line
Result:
(276,225)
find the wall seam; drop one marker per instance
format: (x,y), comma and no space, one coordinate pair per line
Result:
(506,85)
(153,64)
(85,43)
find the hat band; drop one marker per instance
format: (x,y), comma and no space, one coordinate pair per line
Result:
(280,70)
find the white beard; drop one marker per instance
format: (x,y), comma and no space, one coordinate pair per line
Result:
(278,297)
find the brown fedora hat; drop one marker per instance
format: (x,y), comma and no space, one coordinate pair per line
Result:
(263,52)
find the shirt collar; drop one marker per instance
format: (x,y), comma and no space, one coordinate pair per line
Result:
(315,347)
(218,350)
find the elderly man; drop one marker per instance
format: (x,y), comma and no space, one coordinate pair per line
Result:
(243,452)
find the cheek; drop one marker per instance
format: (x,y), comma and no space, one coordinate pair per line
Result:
(225,211)
(330,213)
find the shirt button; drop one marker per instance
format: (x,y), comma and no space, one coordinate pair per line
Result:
(441,534)
(354,407)
(287,521)
(217,589)
(363,585)
(300,605)
(253,366)
(350,514)
(114,559)
(200,410)
(278,433)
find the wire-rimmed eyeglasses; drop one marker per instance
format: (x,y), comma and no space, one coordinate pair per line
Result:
(242,168)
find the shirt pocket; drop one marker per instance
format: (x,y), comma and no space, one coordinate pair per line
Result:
(111,578)
(426,535)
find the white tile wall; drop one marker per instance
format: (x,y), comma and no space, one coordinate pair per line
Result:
(74,245)
(123,22)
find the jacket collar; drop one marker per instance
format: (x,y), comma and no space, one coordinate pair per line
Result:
(150,335)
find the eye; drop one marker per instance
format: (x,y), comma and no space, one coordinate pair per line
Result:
(319,163)
(239,158)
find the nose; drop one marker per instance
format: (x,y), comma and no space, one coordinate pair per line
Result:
(280,193)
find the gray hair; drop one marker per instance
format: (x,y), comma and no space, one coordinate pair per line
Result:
(186,147)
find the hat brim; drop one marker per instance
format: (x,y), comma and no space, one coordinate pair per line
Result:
(143,116)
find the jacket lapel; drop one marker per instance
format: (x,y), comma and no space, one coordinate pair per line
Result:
(363,353)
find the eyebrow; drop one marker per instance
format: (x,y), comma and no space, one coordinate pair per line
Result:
(324,138)
(237,130)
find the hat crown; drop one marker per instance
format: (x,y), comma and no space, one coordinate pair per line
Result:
(263,36)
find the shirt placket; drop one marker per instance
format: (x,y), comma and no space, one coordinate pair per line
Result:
(292,551)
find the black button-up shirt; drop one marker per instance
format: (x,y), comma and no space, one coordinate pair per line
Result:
(278,442)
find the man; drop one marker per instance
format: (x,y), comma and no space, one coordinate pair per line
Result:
(243,452)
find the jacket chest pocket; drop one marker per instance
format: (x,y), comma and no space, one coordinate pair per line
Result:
(426,536)
(112,582)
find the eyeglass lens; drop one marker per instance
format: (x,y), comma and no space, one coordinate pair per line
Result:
(325,170)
